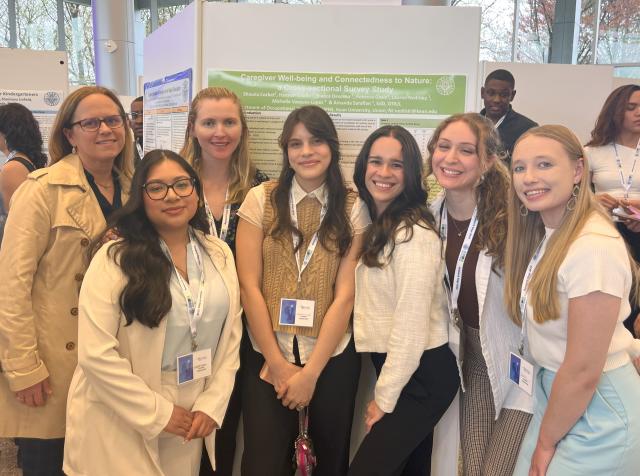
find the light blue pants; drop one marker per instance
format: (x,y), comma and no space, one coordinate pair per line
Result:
(606,438)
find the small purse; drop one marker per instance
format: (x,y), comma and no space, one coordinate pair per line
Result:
(304,456)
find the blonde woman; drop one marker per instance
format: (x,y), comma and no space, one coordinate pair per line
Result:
(464,155)
(568,277)
(217,146)
(42,262)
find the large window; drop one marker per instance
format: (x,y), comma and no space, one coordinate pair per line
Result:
(78,32)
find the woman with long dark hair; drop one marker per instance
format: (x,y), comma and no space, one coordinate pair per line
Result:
(614,160)
(158,337)
(400,309)
(299,238)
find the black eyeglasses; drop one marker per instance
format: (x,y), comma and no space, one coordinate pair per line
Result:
(159,190)
(92,124)
(135,115)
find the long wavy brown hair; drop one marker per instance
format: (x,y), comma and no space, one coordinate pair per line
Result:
(406,210)
(609,123)
(335,231)
(492,192)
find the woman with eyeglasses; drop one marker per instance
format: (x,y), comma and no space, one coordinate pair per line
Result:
(158,335)
(42,262)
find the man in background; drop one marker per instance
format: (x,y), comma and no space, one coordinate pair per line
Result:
(136,123)
(497,93)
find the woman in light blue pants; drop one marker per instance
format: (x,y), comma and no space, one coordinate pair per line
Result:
(569,275)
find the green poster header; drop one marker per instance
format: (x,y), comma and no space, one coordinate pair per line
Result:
(427,94)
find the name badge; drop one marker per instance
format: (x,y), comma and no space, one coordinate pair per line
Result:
(296,312)
(521,372)
(194,366)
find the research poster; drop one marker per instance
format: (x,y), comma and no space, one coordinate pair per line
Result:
(44,105)
(358,104)
(166,110)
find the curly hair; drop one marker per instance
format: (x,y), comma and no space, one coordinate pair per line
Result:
(492,191)
(22,132)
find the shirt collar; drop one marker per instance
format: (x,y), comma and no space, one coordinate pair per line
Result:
(298,193)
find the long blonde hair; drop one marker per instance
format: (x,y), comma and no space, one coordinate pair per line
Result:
(527,231)
(59,145)
(492,191)
(242,170)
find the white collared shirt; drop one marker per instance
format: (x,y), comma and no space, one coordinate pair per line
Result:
(252,210)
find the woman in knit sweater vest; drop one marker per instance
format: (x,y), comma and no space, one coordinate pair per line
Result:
(300,237)
(400,309)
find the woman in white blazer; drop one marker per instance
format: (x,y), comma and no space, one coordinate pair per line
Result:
(159,331)
(472,219)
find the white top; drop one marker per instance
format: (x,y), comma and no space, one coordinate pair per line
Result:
(252,210)
(596,261)
(400,309)
(177,340)
(605,173)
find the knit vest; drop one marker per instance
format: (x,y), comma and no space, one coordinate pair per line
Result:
(280,270)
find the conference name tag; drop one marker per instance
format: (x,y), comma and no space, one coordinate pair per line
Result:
(193,366)
(521,372)
(296,312)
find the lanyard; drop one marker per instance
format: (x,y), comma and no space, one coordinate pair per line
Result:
(626,184)
(195,309)
(454,288)
(314,239)
(500,121)
(11,155)
(524,289)
(226,217)
(140,151)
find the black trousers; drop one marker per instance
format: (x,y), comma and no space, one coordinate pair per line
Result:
(226,436)
(38,457)
(633,241)
(270,429)
(400,443)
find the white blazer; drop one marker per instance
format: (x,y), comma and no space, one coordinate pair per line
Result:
(499,335)
(115,409)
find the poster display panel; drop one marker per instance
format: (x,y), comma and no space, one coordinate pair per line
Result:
(358,103)
(43,104)
(166,110)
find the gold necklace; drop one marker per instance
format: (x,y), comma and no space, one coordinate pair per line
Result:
(458,231)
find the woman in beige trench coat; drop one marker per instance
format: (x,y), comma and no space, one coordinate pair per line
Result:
(127,413)
(54,216)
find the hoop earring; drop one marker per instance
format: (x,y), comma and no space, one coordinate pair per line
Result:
(571,204)
(524,211)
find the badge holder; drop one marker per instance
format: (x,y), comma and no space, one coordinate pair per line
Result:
(304,457)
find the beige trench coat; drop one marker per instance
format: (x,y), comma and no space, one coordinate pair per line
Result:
(54,216)
(116,410)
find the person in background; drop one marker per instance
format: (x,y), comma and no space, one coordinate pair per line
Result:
(21,143)
(158,335)
(137,125)
(400,312)
(614,153)
(217,146)
(42,262)
(298,239)
(498,92)
(464,156)
(568,275)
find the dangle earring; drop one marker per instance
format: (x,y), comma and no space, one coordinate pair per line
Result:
(571,204)
(74,150)
(524,211)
